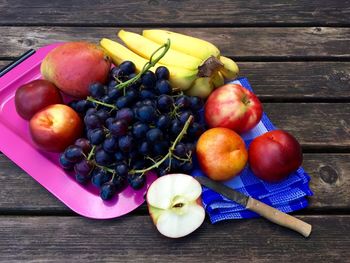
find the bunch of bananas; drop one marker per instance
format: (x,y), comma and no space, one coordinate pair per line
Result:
(195,65)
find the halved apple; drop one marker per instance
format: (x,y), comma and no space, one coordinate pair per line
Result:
(175,205)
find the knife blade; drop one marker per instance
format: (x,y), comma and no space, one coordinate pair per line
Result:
(224,190)
(266,211)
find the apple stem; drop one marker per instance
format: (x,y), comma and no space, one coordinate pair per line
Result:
(151,63)
(170,152)
(101,103)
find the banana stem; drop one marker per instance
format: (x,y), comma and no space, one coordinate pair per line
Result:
(151,63)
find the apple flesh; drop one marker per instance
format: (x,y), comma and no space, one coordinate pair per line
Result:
(55,127)
(174,203)
(73,66)
(234,107)
(34,96)
(274,155)
(221,153)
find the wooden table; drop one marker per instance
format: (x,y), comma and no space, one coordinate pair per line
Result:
(296,55)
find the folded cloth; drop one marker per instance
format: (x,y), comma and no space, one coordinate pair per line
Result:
(288,195)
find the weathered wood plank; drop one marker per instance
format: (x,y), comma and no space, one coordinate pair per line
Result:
(330,183)
(135,239)
(219,12)
(3,63)
(294,80)
(241,43)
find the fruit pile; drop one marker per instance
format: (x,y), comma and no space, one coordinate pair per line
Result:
(147,113)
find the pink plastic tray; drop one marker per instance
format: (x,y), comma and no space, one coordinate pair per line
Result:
(15,142)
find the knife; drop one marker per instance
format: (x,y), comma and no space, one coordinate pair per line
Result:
(258,207)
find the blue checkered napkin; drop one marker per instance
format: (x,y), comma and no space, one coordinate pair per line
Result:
(287,196)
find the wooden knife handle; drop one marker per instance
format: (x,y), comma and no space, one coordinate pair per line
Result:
(279,217)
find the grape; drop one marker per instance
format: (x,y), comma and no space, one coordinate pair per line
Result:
(73,104)
(92,121)
(162,73)
(162,171)
(103,115)
(119,156)
(184,116)
(161,148)
(103,158)
(115,72)
(147,94)
(111,85)
(165,102)
(136,181)
(96,136)
(131,94)
(139,164)
(190,147)
(82,106)
(176,127)
(118,182)
(163,87)
(81,178)
(106,99)
(107,191)
(154,135)
(122,102)
(114,93)
(148,102)
(127,67)
(195,130)
(90,111)
(196,103)
(110,144)
(183,102)
(73,154)
(118,128)
(180,150)
(100,177)
(126,143)
(97,90)
(84,144)
(65,164)
(187,167)
(144,148)
(135,84)
(109,121)
(146,113)
(139,130)
(83,167)
(121,169)
(148,79)
(163,122)
(125,114)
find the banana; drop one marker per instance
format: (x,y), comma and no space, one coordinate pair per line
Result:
(189,45)
(201,87)
(217,79)
(230,69)
(145,48)
(179,77)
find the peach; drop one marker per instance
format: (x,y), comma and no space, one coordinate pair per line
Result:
(221,153)
(55,127)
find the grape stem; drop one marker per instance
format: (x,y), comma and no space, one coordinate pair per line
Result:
(89,98)
(170,152)
(91,153)
(151,63)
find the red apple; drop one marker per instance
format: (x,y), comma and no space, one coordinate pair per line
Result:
(274,155)
(34,96)
(74,66)
(55,127)
(234,107)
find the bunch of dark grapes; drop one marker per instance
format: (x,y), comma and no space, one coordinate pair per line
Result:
(131,130)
